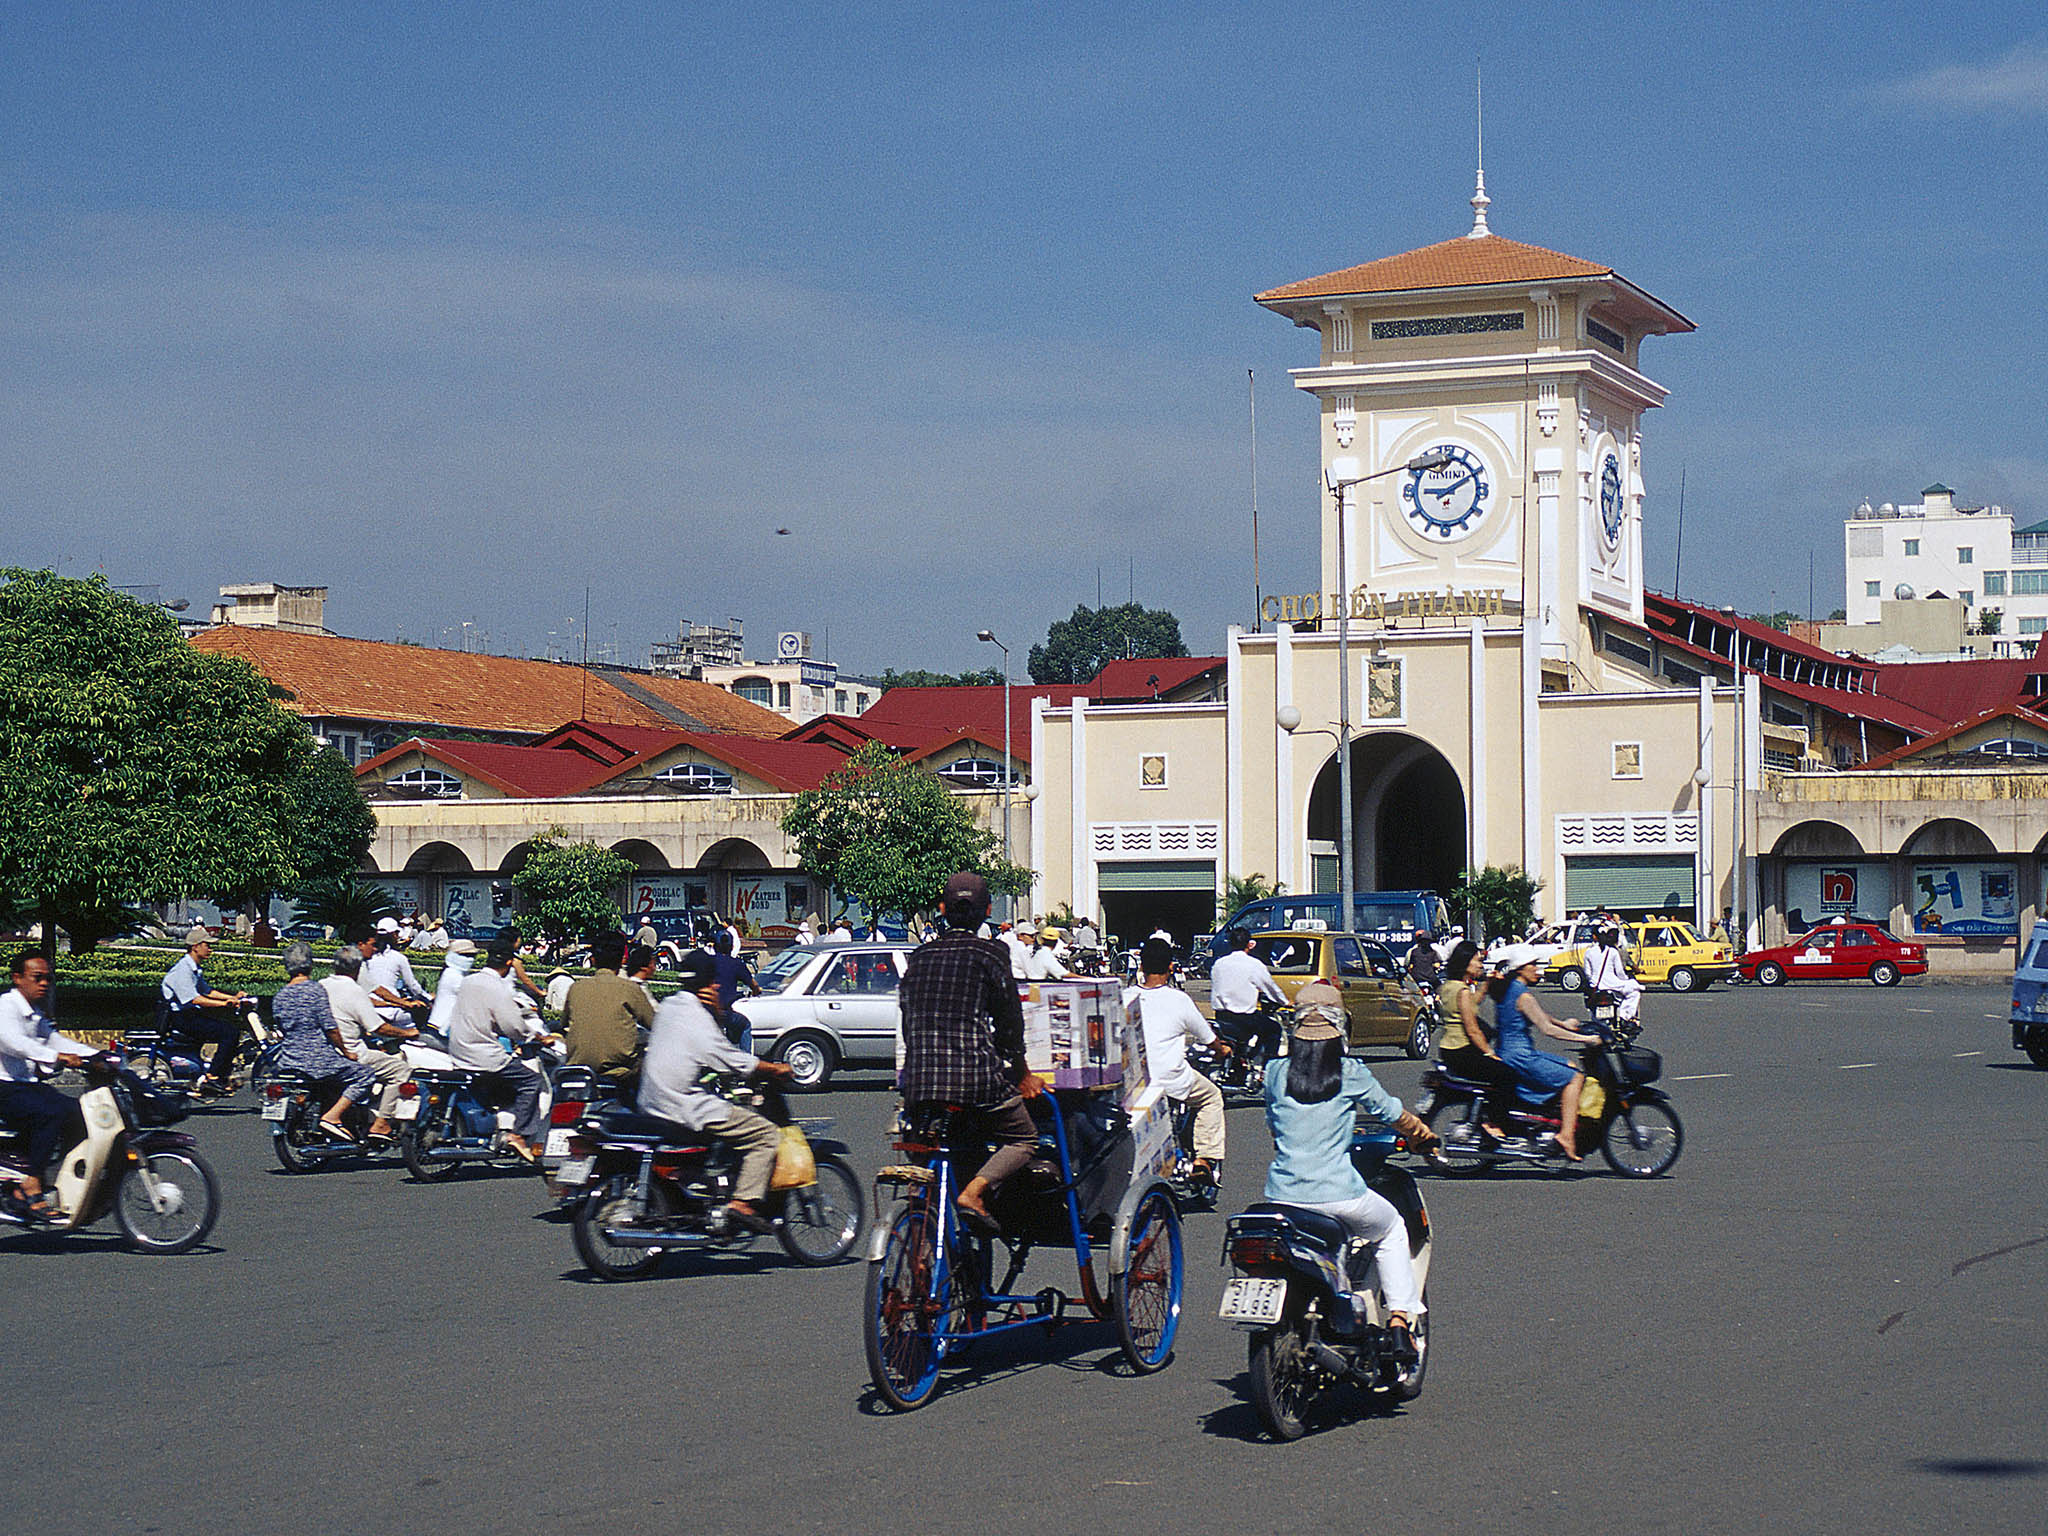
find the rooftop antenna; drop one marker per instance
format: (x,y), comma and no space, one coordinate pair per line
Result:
(1480,201)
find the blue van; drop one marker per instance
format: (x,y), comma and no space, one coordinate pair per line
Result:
(1386,917)
(2030,997)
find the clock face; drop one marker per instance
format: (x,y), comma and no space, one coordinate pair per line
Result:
(1450,502)
(1610,498)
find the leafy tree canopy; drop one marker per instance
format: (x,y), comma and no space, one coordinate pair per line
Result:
(1503,897)
(917,677)
(132,766)
(1077,648)
(890,834)
(571,890)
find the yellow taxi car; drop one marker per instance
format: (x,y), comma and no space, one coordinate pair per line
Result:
(1660,950)
(1382,1005)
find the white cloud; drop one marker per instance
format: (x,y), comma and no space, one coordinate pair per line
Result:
(2016,81)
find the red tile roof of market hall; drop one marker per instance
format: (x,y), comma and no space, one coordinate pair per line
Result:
(377,680)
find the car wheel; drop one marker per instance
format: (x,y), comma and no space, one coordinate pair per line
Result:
(1770,974)
(810,1058)
(1884,974)
(1683,980)
(1572,979)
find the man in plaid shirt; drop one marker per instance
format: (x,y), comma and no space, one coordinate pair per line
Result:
(963,1042)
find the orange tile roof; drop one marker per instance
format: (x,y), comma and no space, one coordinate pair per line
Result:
(1464,262)
(332,675)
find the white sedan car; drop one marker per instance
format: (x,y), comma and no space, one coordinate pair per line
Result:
(821,1006)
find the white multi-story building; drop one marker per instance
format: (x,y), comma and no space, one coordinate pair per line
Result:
(1935,548)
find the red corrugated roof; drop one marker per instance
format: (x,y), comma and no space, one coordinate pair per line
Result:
(410,685)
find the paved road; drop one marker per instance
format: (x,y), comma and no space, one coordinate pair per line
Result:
(1831,1317)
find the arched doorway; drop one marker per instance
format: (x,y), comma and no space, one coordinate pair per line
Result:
(1407,816)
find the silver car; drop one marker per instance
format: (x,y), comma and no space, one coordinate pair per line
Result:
(821,1006)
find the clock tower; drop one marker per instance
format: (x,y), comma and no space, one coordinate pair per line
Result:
(1514,367)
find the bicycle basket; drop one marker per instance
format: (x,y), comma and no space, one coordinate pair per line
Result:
(1639,1064)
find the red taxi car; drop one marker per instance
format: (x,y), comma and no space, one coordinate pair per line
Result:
(1844,951)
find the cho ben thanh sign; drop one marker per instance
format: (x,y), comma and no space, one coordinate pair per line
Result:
(1313,607)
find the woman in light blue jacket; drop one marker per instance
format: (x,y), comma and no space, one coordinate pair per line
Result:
(1313,1096)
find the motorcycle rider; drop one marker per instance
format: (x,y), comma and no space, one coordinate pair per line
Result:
(1236,983)
(1170,1020)
(1465,1047)
(195,1011)
(1607,971)
(1540,1074)
(606,1015)
(484,1010)
(48,1120)
(357,1022)
(685,1043)
(1313,1096)
(963,1043)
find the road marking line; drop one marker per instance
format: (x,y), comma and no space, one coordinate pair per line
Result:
(1858,1065)
(1701,1077)
(1961,1054)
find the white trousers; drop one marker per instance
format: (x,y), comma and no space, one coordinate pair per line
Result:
(1373,1217)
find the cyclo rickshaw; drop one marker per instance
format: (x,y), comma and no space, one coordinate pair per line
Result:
(1098,1185)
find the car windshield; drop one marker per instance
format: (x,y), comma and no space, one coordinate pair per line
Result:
(773,975)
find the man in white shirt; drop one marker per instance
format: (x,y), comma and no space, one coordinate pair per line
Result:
(484,1010)
(684,1044)
(1170,1020)
(357,1021)
(389,978)
(1237,983)
(29,1044)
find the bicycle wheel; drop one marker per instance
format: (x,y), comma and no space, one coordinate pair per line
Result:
(1147,1299)
(171,1210)
(902,1314)
(822,1224)
(1644,1141)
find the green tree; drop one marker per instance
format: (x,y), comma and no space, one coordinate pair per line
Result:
(571,889)
(1503,897)
(890,834)
(1242,891)
(133,767)
(1078,648)
(335,822)
(917,677)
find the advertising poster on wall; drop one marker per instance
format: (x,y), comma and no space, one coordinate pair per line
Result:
(1971,900)
(475,907)
(1836,888)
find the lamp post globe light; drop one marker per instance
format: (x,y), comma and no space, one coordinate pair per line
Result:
(1422,463)
(987,637)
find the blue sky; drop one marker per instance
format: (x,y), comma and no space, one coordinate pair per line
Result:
(456,308)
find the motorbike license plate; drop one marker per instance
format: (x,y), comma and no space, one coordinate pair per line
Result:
(558,1143)
(575,1173)
(273,1109)
(1253,1299)
(408,1109)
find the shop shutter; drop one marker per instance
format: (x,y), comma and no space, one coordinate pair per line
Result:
(1661,882)
(1157,875)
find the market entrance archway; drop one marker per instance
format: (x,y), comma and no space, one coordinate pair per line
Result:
(1407,816)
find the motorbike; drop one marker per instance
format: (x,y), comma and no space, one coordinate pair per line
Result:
(161,1192)
(644,1189)
(1632,1122)
(171,1063)
(450,1116)
(1311,1296)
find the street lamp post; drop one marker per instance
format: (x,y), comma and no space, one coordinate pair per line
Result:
(1422,463)
(987,637)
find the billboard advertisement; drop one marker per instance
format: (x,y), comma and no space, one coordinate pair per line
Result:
(1972,900)
(1836,888)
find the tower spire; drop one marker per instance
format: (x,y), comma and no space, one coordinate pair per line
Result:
(1480,201)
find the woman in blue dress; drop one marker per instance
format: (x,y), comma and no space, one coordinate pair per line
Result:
(1539,1074)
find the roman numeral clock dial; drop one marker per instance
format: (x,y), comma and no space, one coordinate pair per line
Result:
(1452,501)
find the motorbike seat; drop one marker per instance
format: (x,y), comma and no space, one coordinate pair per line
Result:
(1325,1229)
